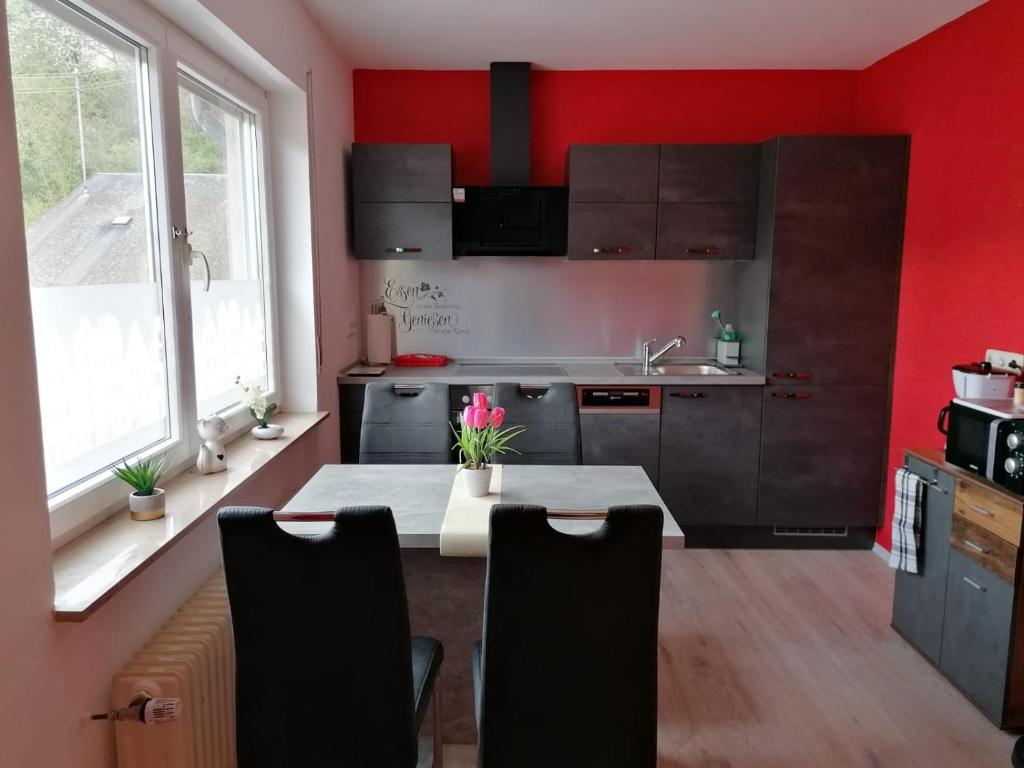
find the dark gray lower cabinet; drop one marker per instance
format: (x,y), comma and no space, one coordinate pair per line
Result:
(414,231)
(612,231)
(822,450)
(706,230)
(976,633)
(709,454)
(350,397)
(919,599)
(617,439)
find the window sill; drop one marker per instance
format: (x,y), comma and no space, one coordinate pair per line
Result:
(91,569)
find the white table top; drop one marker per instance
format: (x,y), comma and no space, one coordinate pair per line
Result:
(418,496)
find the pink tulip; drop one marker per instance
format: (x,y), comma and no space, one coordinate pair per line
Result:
(480,400)
(497,417)
(480,417)
(469,415)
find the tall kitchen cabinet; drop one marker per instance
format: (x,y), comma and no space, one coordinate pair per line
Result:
(402,201)
(829,243)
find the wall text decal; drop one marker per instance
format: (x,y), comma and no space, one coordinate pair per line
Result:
(422,306)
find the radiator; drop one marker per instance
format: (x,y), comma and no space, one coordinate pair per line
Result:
(191,658)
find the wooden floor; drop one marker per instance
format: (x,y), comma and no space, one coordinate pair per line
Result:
(787,660)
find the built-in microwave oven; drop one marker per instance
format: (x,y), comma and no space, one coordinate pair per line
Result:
(986,437)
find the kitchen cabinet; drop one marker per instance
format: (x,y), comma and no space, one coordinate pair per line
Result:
(613,208)
(835,207)
(402,201)
(709,173)
(723,231)
(919,599)
(350,408)
(619,439)
(976,633)
(822,450)
(709,454)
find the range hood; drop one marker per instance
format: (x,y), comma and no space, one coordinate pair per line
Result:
(510,218)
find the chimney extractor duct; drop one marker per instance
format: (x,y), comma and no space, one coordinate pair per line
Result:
(510,124)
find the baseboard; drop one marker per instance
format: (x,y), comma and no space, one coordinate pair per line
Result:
(763,537)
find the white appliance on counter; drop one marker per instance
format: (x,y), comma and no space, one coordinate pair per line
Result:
(981,381)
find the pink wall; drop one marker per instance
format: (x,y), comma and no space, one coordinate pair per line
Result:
(958,93)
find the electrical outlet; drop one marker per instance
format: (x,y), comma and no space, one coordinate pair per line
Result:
(1002,360)
(353,329)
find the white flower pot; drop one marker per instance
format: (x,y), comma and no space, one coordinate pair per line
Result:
(269,432)
(477,482)
(147,507)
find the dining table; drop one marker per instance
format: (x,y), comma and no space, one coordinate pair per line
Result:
(446,593)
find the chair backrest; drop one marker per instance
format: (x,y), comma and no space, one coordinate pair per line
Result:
(552,421)
(406,425)
(322,644)
(570,642)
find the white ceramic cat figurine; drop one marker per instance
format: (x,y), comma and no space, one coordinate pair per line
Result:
(211,455)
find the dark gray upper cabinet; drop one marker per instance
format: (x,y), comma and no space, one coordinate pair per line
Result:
(709,173)
(613,173)
(415,231)
(977,629)
(722,231)
(402,173)
(822,456)
(834,209)
(919,599)
(709,454)
(612,231)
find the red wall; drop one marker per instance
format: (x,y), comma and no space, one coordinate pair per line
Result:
(958,92)
(600,106)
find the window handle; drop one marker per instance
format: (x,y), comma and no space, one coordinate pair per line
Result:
(192,252)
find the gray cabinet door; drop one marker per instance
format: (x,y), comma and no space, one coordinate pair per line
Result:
(706,230)
(837,234)
(976,633)
(613,173)
(709,173)
(612,231)
(350,398)
(402,173)
(822,456)
(413,231)
(709,454)
(919,599)
(617,439)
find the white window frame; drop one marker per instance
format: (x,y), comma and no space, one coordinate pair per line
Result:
(169,50)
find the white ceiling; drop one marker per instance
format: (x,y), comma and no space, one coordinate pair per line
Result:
(629,34)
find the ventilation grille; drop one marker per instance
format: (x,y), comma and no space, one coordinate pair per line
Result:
(789,530)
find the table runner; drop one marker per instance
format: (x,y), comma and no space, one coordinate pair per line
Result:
(466,528)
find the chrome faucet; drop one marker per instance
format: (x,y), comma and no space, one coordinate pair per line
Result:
(651,359)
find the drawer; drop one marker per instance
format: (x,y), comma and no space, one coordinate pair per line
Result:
(989,509)
(985,548)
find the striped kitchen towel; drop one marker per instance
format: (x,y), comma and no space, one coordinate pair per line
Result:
(906,522)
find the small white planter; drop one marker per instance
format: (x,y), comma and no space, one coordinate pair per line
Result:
(269,432)
(477,482)
(147,507)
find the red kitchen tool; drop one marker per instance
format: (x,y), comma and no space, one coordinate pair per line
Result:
(421,361)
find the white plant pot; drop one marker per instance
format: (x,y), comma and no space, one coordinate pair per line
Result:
(269,432)
(147,507)
(477,482)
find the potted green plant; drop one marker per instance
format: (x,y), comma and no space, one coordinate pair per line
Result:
(479,439)
(261,409)
(146,502)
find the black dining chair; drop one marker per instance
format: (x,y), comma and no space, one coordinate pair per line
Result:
(551,418)
(406,425)
(326,671)
(567,671)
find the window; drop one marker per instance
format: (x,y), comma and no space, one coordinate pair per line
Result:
(123,369)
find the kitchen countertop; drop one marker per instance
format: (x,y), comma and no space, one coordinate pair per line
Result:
(588,372)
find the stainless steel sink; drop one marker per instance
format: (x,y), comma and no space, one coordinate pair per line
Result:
(674,369)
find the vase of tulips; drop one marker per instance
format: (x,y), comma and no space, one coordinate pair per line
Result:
(479,439)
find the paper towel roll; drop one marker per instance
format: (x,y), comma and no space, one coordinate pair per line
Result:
(380,333)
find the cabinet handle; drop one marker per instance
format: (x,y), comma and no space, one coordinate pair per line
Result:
(981,510)
(975,584)
(410,249)
(620,249)
(977,548)
(707,250)
(791,395)
(801,375)
(688,395)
